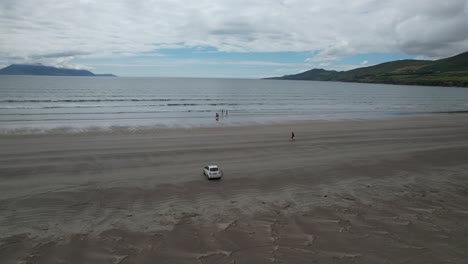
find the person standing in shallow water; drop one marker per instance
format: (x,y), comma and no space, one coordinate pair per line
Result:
(292,135)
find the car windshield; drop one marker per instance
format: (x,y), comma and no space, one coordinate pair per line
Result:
(213,169)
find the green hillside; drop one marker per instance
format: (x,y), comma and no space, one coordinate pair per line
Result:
(451,71)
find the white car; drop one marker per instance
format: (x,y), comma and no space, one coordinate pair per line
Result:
(212,172)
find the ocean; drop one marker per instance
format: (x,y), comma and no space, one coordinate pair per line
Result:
(37,104)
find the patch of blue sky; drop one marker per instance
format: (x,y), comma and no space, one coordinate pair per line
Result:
(207,61)
(197,62)
(166,67)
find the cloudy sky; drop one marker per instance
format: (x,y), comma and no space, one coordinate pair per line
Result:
(228,38)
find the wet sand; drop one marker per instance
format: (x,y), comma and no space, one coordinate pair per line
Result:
(359,191)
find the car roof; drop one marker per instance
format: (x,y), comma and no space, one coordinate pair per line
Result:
(212,166)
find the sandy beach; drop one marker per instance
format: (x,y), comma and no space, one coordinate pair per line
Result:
(391,190)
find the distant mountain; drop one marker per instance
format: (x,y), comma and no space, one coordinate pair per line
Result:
(451,71)
(38,69)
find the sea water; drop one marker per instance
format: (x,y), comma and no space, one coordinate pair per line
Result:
(39,103)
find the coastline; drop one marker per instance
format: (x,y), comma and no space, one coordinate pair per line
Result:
(224,122)
(366,190)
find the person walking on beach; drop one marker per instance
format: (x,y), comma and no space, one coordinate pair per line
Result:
(292,135)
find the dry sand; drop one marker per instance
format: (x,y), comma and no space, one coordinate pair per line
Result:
(357,191)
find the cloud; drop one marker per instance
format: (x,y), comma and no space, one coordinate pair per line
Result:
(179,62)
(334,52)
(56,31)
(434,30)
(60,54)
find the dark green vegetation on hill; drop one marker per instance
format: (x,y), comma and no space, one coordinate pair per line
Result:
(451,71)
(38,69)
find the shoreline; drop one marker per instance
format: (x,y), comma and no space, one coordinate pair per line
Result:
(367,190)
(128,129)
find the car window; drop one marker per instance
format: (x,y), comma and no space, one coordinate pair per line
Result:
(213,169)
